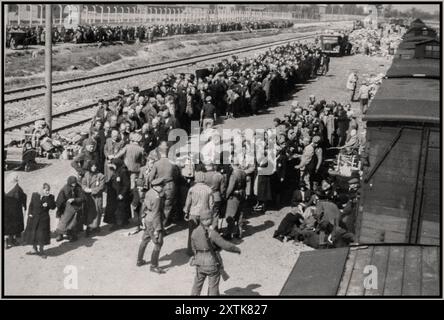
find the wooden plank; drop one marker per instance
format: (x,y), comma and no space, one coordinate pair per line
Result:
(379,260)
(430,271)
(395,271)
(396,190)
(434,139)
(369,235)
(400,207)
(316,273)
(356,284)
(430,241)
(389,215)
(411,285)
(346,276)
(394,237)
(387,133)
(384,222)
(392,177)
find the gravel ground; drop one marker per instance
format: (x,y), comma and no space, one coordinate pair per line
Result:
(106,263)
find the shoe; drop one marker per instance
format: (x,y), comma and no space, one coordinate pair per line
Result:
(14,242)
(59,238)
(32,253)
(42,255)
(141,263)
(157,270)
(73,239)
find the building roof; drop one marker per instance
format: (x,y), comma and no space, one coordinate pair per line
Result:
(406,100)
(408,67)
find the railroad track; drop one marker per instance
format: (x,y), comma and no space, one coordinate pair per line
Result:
(29,92)
(80,115)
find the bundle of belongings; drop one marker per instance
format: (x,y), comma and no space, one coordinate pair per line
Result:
(374,42)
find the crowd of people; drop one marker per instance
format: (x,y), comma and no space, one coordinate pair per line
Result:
(124,172)
(35,35)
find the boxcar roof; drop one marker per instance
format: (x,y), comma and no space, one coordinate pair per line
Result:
(406,100)
(409,67)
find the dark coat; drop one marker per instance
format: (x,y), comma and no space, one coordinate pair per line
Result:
(38,226)
(119,210)
(15,203)
(70,213)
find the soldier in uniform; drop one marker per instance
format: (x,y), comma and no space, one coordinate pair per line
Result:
(199,199)
(216,181)
(235,200)
(163,168)
(153,206)
(206,244)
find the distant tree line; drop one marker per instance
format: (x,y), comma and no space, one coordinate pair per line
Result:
(390,12)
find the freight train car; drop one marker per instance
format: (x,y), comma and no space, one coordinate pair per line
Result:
(400,211)
(401,196)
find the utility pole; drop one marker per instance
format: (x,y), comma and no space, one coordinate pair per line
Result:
(48,65)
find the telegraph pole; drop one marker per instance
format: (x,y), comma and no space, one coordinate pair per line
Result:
(48,65)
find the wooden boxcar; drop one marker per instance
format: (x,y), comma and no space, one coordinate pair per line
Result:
(401,196)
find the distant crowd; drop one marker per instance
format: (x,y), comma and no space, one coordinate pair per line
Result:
(142,33)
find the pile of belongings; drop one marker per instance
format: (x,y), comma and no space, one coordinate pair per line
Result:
(375,41)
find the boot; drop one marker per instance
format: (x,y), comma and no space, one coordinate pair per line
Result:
(59,238)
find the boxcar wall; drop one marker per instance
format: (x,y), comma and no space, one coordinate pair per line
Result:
(401,193)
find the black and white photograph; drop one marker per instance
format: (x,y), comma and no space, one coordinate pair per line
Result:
(234,150)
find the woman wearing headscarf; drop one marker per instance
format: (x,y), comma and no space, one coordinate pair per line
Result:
(37,231)
(118,207)
(93,184)
(69,204)
(15,203)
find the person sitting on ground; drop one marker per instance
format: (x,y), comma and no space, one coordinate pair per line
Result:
(293,219)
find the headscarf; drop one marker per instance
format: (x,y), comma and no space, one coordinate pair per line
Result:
(71,180)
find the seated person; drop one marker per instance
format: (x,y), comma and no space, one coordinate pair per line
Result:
(293,219)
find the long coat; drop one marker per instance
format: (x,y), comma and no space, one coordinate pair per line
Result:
(93,200)
(118,211)
(38,227)
(70,213)
(15,203)
(111,148)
